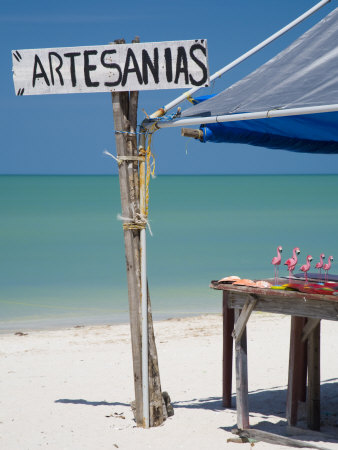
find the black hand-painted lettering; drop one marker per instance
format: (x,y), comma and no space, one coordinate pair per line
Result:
(111,66)
(57,69)
(152,64)
(89,68)
(72,57)
(181,65)
(168,65)
(41,74)
(135,68)
(200,64)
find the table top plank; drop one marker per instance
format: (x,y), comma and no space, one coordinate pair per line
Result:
(292,303)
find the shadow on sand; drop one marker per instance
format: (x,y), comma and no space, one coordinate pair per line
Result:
(81,401)
(272,402)
(266,402)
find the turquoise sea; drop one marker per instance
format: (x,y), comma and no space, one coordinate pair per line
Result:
(62,252)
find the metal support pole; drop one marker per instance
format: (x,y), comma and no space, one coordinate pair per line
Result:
(144,294)
(144,315)
(244,116)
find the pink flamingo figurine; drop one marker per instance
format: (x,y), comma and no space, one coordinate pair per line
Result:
(327,267)
(276,260)
(320,264)
(292,262)
(306,267)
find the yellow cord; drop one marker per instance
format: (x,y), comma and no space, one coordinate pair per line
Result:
(134,226)
(139,222)
(150,160)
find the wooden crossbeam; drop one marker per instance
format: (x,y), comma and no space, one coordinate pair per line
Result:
(315,435)
(309,327)
(271,438)
(244,317)
(242,400)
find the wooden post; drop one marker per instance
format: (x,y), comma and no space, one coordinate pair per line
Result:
(304,360)
(313,400)
(132,145)
(119,109)
(157,411)
(228,326)
(296,369)
(125,119)
(242,403)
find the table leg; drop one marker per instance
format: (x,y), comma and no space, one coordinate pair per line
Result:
(297,374)
(313,401)
(228,326)
(242,403)
(303,380)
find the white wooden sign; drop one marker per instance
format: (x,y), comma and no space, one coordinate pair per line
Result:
(109,68)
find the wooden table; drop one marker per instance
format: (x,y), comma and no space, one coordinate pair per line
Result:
(306,311)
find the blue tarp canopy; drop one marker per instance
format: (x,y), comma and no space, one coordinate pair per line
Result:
(303,75)
(312,133)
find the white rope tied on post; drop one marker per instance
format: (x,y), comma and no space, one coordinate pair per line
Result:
(119,159)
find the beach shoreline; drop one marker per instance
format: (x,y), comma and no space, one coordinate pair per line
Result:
(65,323)
(71,388)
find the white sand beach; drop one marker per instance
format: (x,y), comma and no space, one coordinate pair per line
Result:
(72,388)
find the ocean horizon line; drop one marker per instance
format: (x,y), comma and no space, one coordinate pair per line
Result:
(166,174)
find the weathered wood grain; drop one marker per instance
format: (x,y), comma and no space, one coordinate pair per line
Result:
(132,138)
(271,438)
(157,411)
(303,368)
(242,401)
(284,302)
(313,400)
(132,264)
(306,310)
(309,327)
(242,320)
(296,382)
(228,325)
(125,119)
(316,435)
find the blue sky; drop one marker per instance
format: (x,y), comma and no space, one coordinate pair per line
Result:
(66,134)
